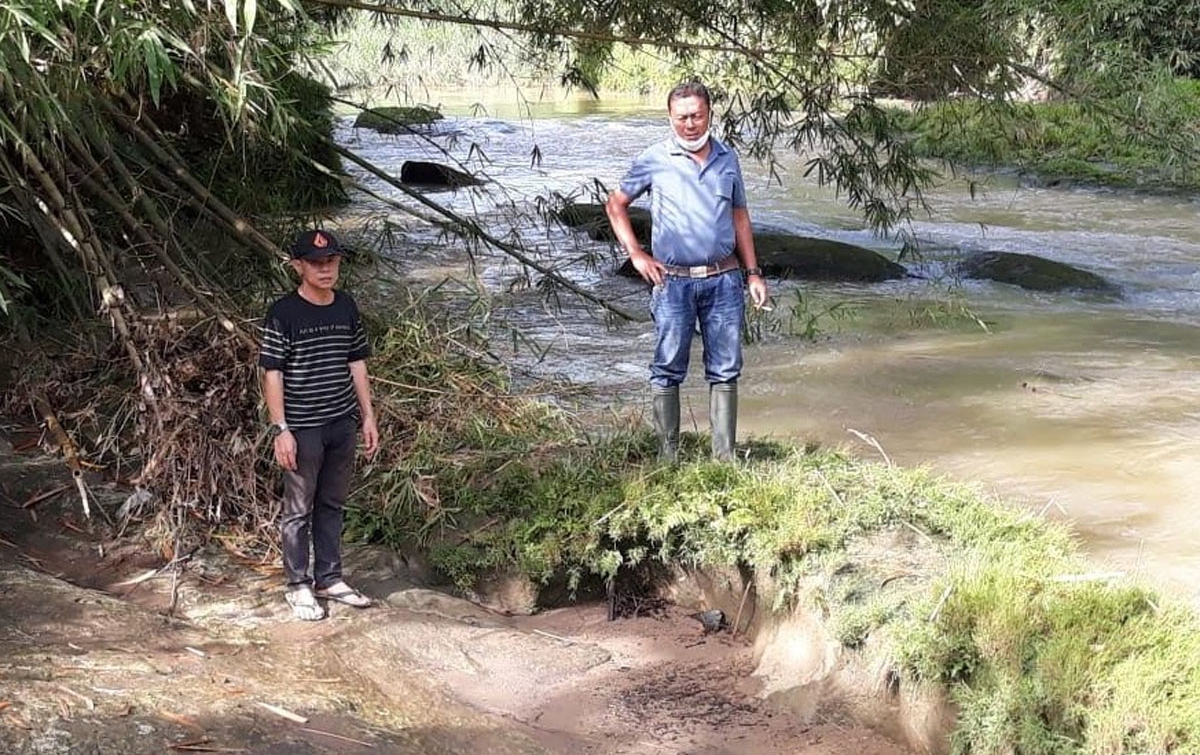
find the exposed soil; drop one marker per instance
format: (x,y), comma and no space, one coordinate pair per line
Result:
(91,663)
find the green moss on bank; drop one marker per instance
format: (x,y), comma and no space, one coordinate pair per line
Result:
(396,119)
(1068,142)
(1038,656)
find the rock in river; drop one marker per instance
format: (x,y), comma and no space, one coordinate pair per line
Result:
(436,175)
(787,256)
(592,220)
(1033,273)
(780,254)
(396,120)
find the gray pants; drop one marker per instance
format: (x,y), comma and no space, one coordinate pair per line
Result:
(314,496)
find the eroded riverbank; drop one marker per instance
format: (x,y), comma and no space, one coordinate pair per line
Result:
(90,663)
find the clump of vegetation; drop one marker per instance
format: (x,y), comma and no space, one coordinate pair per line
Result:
(393,119)
(990,602)
(1071,141)
(1037,654)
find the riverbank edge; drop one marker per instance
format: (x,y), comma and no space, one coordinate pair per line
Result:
(1062,143)
(931,589)
(990,605)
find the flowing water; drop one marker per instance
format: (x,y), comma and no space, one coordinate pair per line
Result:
(1084,408)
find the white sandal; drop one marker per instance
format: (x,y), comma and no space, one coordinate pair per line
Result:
(344,593)
(304,604)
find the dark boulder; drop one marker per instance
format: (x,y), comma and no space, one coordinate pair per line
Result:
(782,255)
(1032,273)
(420,173)
(593,220)
(396,120)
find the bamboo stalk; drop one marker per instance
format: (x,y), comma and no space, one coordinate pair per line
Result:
(184,178)
(63,219)
(69,450)
(473,228)
(50,242)
(139,191)
(185,197)
(203,300)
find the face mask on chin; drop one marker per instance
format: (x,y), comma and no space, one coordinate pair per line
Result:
(693,145)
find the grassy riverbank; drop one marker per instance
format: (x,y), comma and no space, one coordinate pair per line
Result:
(1117,144)
(1038,655)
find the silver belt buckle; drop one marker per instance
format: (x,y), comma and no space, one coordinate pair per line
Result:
(698,271)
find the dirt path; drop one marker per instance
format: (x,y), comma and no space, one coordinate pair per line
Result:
(89,663)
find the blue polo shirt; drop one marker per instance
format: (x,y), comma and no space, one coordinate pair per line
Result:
(691,206)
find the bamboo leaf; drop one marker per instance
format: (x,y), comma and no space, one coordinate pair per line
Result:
(154,72)
(231,13)
(249,11)
(16,280)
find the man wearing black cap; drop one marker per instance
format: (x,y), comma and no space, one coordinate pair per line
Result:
(317,393)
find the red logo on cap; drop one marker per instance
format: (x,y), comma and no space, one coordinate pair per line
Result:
(320,241)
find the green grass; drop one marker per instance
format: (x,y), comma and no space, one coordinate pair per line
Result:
(1152,141)
(948,588)
(1034,664)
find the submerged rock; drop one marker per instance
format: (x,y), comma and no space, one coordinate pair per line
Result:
(783,255)
(593,220)
(396,120)
(421,173)
(1033,273)
(780,254)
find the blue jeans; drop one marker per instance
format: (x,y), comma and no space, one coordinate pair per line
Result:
(717,303)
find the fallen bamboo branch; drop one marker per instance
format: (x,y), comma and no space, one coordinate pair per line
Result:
(937,610)
(468,226)
(1098,576)
(554,637)
(67,446)
(737,620)
(44,496)
(336,736)
(924,535)
(830,488)
(283,712)
(872,442)
(87,701)
(205,748)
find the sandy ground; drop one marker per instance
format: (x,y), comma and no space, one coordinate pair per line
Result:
(90,662)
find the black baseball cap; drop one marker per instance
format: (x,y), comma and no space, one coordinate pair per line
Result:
(315,244)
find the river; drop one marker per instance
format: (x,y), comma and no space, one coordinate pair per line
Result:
(1081,408)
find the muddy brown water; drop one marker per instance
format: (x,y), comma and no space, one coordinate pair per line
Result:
(1086,409)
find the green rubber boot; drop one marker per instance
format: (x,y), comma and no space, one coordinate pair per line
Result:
(666,421)
(722,417)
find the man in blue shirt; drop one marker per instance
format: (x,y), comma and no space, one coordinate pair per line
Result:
(701,242)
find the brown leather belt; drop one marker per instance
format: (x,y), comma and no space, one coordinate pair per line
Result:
(704,271)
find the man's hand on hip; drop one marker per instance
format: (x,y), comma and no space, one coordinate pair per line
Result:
(651,270)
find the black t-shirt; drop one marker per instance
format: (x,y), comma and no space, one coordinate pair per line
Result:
(313,345)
